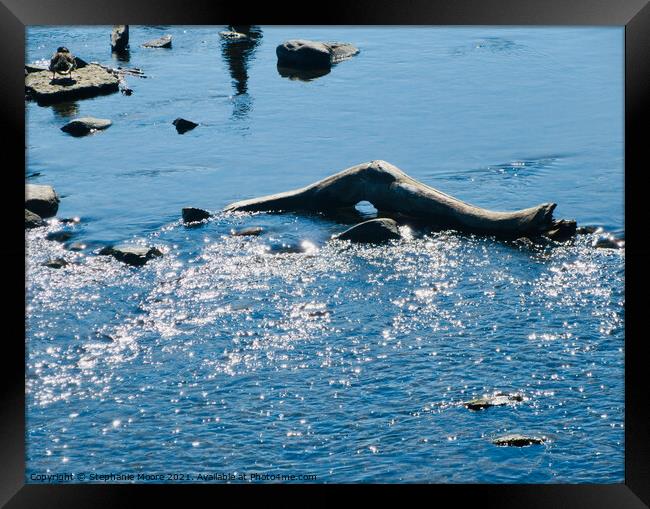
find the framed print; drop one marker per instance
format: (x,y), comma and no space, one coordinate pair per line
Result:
(378,245)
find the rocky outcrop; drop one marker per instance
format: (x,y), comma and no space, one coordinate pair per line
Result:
(303,54)
(516,440)
(562,230)
(132,254)
(41,200)
(120,38)
(393,192)
(89,81)
(193,215)
(374,231)
(86,125)
(252,231)
(162,42)
(182,125)
(33,220)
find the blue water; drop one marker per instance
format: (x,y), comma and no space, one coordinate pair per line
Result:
(350,364)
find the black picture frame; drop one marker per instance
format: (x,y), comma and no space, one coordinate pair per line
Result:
(15,15)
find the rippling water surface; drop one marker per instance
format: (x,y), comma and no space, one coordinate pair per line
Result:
(286,354)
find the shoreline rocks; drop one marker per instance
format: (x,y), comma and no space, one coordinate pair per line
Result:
(86,125)
(132,254)
(162,42)
(41,200)
(305,54)
(89,81)
(373,231)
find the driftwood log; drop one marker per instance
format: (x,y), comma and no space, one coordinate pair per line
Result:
(393,192)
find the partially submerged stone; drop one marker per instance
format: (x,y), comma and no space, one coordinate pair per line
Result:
(33,220)
(120,38)
(372,231)
(56,263)
(60,236)
(132,254)
(561,230)
(516,440)
(162,42)
(608,242)
(304,54)
(89,81)
(498,399)
(86,125)
(250,231)
(232,36)
(41,200)
(182,125)
(194,215)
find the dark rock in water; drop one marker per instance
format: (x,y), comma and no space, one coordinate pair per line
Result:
(70,220)
(192,215)
(41,200)
(86,125)
(162,42)
(56,263)
(252,231)
(89,81)
(132,254)
(498,399)
(120,38)
(33,220)
(584,230)
(232,36)
(59,236)
(303,54)
(372,231)
(284,248)
(126,91)
(561,230)
(516,440)
(76,246)
(182,125)
(608,242)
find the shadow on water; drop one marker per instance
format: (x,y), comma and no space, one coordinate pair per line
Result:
(65,109)
(238,54)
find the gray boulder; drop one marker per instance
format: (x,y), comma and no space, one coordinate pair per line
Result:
(41,200)
(162,42)
(303,54)
(33,220)
(372,231)
(193,215)
(132,254)
(516,440)
(86,125)
(89,81)
(120,38)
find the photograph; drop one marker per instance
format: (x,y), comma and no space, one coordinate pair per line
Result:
(325,254)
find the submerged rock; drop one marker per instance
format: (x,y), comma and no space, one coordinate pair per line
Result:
(498,399)
(232,36)
(33,220)
(41,200)
(608,242)
(372,231)
(584,230)
(120,38)
(182,125)
(251,231)
(304,54)
(193,215)
(162,42)
(89,81)
(86,125)
(56,263)
(59,236)
(516,440)
(132,254)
